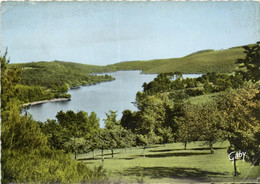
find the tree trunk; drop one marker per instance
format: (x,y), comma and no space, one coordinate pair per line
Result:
(112,151)
(75,155)
(185,145)
(102,155)
(211,148)
(93,154)
(235,168)
(143,151)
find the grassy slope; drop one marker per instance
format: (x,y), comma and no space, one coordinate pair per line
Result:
(199,62)
(171,164)
(202,98)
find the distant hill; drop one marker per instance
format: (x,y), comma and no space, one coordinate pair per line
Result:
(219,61)
(58,73)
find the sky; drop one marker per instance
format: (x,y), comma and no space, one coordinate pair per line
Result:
(102,33)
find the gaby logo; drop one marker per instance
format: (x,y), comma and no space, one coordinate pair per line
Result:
(236,155)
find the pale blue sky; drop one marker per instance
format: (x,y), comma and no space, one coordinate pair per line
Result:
(108,32)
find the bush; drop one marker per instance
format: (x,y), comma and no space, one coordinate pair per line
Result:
(48,167)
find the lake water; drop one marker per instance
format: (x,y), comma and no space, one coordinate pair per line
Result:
(116,95)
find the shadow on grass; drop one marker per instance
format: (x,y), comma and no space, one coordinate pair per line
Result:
(166,150)
(129,158)
(84,159)
(171,172)
(106,158)
(177,154)
(178,149)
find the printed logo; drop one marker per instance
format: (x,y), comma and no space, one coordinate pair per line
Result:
(236,155)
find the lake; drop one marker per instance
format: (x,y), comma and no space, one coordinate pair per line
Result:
(116,95)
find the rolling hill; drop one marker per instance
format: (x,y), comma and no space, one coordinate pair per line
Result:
(219,61)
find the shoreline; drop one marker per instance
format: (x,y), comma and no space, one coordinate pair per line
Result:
(46,101)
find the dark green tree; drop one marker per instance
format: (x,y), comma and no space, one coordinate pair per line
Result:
(250,65)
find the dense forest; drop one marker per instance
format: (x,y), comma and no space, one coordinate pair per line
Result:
(39,151)
(48,80)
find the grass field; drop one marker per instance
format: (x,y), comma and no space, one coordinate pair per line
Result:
(172,164)
(220,61)
(202,98)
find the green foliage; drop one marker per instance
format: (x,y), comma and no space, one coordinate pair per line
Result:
(75,145)
(241,110)
(46,80)
(27,94)
(207,83)
(54,133)
(60,75)
(250,65)
(78,124)
(70,125)
(26,157)
(114,135)
(110,121)
(47,167)
(9,79)
(155,120)
(129,120)
(201,122)
(21,132)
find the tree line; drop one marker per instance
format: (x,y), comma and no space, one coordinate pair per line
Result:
(48,80)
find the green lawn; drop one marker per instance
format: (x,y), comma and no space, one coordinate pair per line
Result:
(202,98)
(219,61)
(171,163)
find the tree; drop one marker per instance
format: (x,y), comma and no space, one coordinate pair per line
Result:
(201,122)
(129,120)
(111,121)
(75,145)
(165,134)
(18,132)
(241,111)
(250,65)
(146,140)
(78,124)
(21,132)
(187,130)
(114,135)
(55,134)
(9,79)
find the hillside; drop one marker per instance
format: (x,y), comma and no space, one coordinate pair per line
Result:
(199,62)
(57,73)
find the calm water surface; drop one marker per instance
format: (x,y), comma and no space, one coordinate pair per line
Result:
(116,95)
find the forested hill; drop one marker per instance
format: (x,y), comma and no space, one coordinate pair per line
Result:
(219,61)
(57,73)
(48,80)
